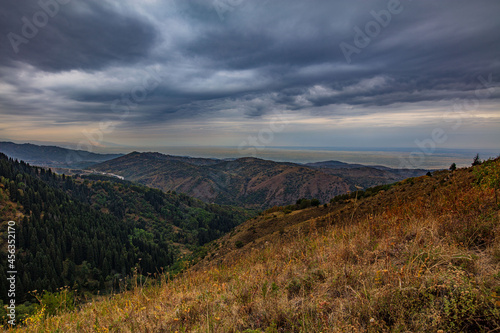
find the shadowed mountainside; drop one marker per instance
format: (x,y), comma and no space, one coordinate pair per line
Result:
(53,156)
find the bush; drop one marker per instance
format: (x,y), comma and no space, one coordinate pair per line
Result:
(305,203)
(488,176)
(315,202)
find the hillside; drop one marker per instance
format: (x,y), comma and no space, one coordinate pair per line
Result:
(90,233)
(249,182)
(53,156)
(422,255)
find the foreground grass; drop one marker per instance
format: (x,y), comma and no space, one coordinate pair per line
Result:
(426,265)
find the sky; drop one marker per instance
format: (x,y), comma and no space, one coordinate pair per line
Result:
(251,74)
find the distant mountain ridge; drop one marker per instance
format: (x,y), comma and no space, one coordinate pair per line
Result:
(53,156)
(188,159)
(343,165)
(248,181)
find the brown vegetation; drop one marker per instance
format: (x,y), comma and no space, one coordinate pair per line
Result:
(248,182)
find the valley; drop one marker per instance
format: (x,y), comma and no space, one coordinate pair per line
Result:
(96,230)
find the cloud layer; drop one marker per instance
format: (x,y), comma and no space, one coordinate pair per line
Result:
(220,69)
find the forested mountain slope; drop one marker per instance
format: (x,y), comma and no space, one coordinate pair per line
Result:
(89,234)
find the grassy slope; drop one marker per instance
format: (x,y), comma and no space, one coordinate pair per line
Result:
(422,256)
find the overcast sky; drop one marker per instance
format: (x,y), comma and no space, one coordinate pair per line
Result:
(242,73)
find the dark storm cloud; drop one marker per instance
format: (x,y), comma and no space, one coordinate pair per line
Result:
(428,46)
(424,35)
(65,35)
(251,56)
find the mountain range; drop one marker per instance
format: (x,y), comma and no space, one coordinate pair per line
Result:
(247,181)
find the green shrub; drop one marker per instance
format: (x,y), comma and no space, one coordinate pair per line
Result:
(315,202)
(488,176)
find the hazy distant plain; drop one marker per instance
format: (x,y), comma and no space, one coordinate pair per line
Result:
(394,158)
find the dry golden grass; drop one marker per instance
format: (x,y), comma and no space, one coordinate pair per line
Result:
(424,263)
